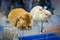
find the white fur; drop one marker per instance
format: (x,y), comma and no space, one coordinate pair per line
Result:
(40,14)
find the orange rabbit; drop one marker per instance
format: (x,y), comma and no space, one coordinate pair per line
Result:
(20,18)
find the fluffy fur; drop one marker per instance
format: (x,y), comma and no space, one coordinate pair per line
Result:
(40,14)
(20,18)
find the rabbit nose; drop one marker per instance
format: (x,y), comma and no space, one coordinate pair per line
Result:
(49,16)
(22,27)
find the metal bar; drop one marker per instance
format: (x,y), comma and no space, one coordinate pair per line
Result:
(41,26)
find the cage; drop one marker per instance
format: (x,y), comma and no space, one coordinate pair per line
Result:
(35,34)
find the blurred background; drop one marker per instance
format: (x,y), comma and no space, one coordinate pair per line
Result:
(7,5)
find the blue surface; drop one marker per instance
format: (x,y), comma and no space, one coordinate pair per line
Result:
(1,28)
(49,36)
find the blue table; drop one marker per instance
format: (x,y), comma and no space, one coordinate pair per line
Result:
(48,36)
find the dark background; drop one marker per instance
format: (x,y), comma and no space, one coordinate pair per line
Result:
(55,3)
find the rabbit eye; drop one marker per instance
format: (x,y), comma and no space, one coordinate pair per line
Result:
(23,18)
(40,9)
(46,14)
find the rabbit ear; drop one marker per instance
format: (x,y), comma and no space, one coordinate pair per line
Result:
(45,7)
(16,22)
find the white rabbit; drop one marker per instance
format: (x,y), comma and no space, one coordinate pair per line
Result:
(40,14)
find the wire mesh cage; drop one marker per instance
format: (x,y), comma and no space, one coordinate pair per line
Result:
(39,30)
(36,30)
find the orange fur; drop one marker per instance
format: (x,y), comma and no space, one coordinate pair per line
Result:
(19,17)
